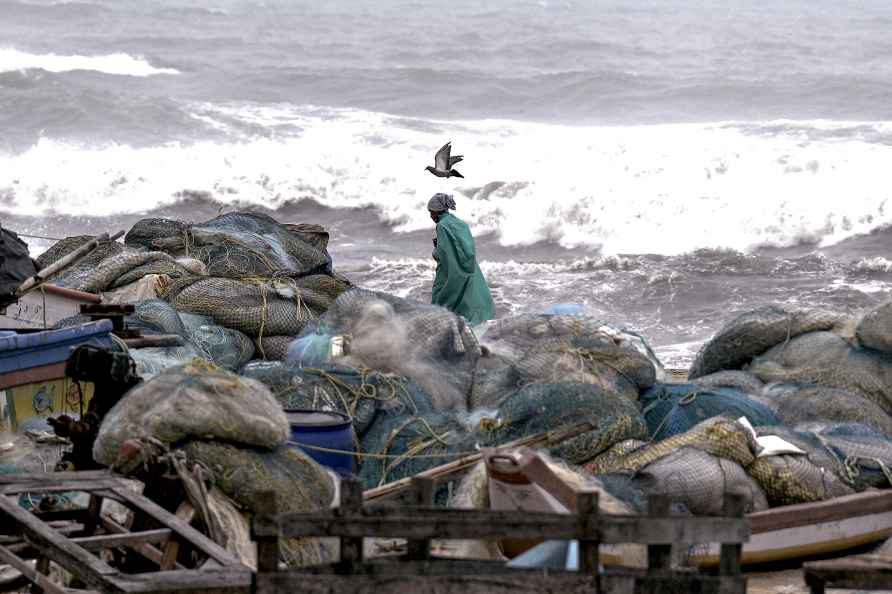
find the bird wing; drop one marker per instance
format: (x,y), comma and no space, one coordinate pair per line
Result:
(441,159)
(454,160)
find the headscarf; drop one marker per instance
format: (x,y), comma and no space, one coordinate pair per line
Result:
(441,203)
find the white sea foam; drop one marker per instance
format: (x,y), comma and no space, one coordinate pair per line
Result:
(123,64)
(664,189)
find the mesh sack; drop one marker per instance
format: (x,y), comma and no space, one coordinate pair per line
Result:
(700,480)
(189,401)
(754,332)
(718,436)
(800,403)
(670,409)
(300,484)
(542,408)
(426,343)
(225,347)
(591,361)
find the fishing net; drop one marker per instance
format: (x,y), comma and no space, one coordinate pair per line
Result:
(597,361)
(731,378)
(426,343)
(542,408)
(236,244)
(152,361)
(799,403)
(224,347)
(300,484)
(257,307)
(874,330)
(73,275)
(272,348)
(754,332)
(795,478)
(866,454)
(670,409)
(193,400)
(718,436)
(492,386)
(700,480)
(825,359)
(360,393)
(397,446)
(514,336)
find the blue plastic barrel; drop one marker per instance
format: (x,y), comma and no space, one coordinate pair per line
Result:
(326,436)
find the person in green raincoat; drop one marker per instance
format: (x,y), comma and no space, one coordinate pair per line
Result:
(459,284)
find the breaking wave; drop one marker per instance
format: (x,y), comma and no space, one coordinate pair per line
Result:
(12,60)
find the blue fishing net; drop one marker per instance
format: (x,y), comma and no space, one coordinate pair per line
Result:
(670,409)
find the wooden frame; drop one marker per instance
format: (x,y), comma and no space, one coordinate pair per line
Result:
(417,571)
(71,537)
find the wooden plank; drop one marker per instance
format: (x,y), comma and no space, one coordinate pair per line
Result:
(110,541)
(76,560)
(803,514)
(30,573)
(424,490)
(158,340)
(659,556)
(188,533)
(267,545)
(172,547)
(731,552)
(226,580)
(51,477)
(347,513)
(450,469)
(471,524)
(587,515)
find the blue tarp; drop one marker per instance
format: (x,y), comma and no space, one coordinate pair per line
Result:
(24,351)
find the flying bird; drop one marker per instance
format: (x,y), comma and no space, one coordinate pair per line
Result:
(443,163)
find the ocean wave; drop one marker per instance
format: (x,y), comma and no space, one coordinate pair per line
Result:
(660,189)
(120,64)
(876,264)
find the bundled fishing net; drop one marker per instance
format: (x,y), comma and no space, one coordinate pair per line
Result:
(196,400)
(718,436)
(670,409)
(865,453)
(272,348)
(732,378)
(825,359)
(492,386)
(396,446)
(426,343)
(797,478)
(224,347)
(514,336)
(874,330)
(255,306)
(700,480)
(152,361)
(300,484)
(75,274)
(360,393)
(754,332)
(237,244)
(597,361)
(800,403)
(540,408)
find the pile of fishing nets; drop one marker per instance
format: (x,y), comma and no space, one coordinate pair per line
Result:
(229,426)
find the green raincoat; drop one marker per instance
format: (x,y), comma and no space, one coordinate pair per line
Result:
(459,284)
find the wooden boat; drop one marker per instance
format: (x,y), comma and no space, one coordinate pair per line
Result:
(525,481)
(43,307)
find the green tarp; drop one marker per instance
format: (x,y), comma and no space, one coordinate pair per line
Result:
(459,285)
